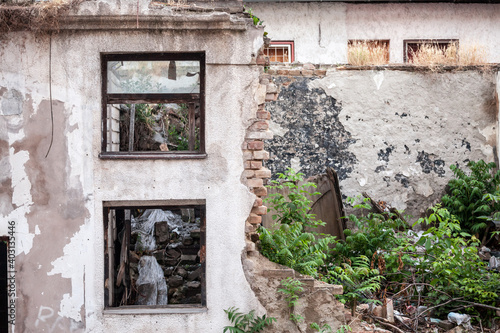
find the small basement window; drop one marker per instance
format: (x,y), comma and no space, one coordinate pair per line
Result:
(280,51)
(153,105)
(411,47)
(368,52)
(154,256)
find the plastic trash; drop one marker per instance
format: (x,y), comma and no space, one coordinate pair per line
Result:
(151,279)
(494,262)
(460,319)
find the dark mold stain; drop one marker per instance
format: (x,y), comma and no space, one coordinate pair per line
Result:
(315,134)
(380,168)
(384,155)
(402,179)
(466,144)
(429,163)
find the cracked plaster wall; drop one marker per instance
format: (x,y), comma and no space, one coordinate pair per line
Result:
(56,201)
(321,30)
(393,134)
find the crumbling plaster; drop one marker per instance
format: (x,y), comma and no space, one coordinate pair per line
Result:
(56,201)
(398,131)
(321,30)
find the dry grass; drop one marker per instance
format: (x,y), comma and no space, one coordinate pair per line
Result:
(361,53)
(38,17)
(431,55)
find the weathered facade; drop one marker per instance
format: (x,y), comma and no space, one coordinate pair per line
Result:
(321,30)
(57,182)
(391,133)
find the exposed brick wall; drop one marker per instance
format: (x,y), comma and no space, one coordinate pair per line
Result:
(254,154)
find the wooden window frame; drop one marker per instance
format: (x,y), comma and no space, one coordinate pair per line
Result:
(110,98)
(155,204)
(424,41)
(291,46)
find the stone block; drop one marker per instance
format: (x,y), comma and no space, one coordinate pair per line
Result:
(247,155)
(250,246)
(162,232)
(260,94)
(309,66)
(278,273)
(147,294)
(175,281)
(294,72)
(320,72)
(305,72)
(271,88)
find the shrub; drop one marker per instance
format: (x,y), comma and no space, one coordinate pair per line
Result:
(474,198)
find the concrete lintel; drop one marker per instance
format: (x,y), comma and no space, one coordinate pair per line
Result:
(213,21)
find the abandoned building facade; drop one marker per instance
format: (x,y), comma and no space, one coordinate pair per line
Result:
(136,139)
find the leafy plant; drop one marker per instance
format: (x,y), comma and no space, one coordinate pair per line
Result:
(325,328)
(358,279)
(248,322)
(445,263)
(474,198)
(291,290)
(255,19)
(376,232)
(289,243)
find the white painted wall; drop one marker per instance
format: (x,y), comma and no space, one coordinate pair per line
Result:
(60,282)
(477,24)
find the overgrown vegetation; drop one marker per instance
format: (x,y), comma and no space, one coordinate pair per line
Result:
(39,16)
(432,54)
(436,270)
(246,322)
(361,53)
(288,243)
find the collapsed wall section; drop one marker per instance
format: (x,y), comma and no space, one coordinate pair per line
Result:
(391,133)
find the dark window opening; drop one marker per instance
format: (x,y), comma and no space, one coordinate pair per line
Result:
(4,298)
(155,255)
(153,105)
(411,47)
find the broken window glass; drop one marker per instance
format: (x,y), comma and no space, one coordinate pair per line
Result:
(155,256)
(153,105)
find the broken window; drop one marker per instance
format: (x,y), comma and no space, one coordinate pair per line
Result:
(280,51)
(153,105)
(411,47)
(154,255)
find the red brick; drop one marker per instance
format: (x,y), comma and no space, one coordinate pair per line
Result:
(282,72)
(261,210)
(257,202)
(261,60)
(294,72)
(263,173)
(320,72)
(260,191)
(259,126)
(244,145)
(253,165)
(254,219)
(249,174)
(255,182)
(306,72)
(255,145)
(247,155)
(263,115)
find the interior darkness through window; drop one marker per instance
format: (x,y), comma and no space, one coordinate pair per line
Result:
(155,256)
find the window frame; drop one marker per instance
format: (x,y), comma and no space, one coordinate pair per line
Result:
(406,58)
(291,47)
(155,204)
(113,98)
